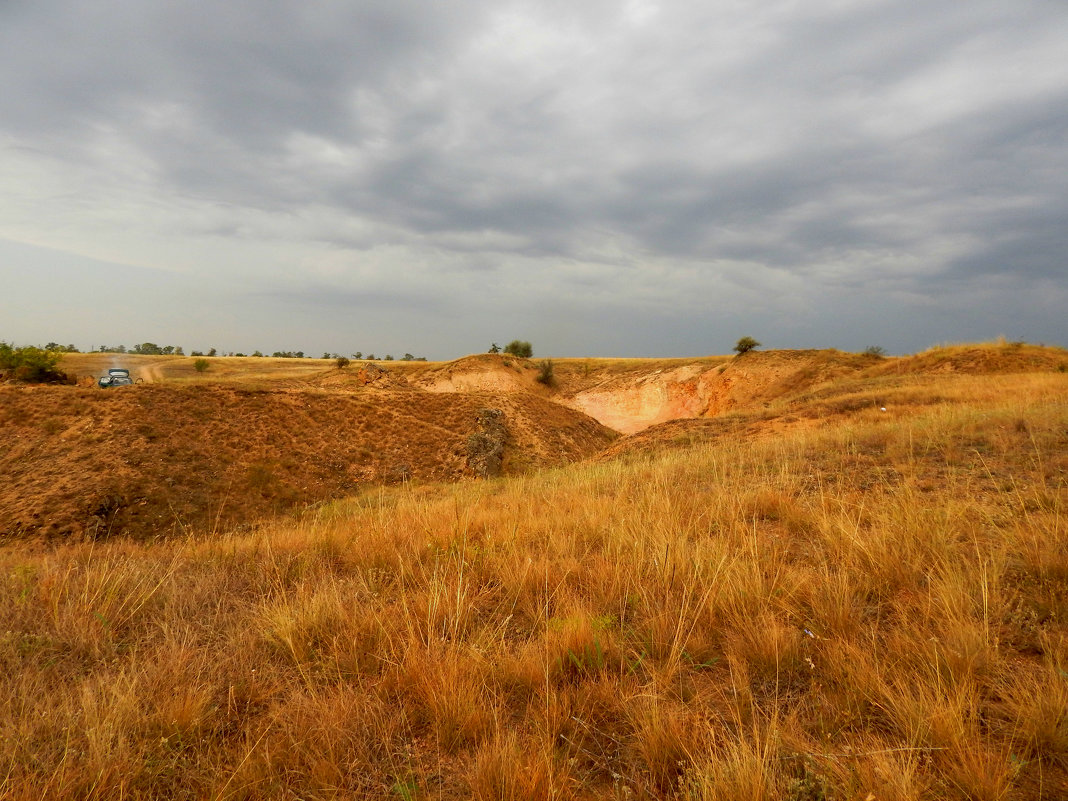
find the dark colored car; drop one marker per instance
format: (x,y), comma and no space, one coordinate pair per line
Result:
(116,377)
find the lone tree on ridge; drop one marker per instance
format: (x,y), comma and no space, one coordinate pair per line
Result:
(746,344)
(519,348)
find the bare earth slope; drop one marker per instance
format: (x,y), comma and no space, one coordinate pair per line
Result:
(150,459)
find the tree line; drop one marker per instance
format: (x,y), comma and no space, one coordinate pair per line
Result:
(152,349)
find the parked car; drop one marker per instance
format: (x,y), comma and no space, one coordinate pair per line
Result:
(116,377)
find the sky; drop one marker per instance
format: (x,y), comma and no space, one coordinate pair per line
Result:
(631,178)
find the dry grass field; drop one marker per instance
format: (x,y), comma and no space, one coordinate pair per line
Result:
(801,596)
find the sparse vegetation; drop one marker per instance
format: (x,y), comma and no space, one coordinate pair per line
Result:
(745,344)
(517,347)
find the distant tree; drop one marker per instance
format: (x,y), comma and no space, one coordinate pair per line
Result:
(357,355)
(517,347)
(875,350)
(257,354)
(389,358)
(407,357)
(200,365)
(370,357)
(239,354)
(746,344)
(178,351)
(341,362)
(495,348)
(212,352)
(167,350)
(196,353)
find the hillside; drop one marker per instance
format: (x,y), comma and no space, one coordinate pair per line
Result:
(252,437)
(804,597)
(156,458)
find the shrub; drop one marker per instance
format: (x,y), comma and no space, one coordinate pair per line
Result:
(30,364)
(519,348)
(200,365)
(495,348)
(746,344)
(875,350)
(545,372)
(341,362)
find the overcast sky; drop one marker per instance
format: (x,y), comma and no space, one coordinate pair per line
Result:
(599,178)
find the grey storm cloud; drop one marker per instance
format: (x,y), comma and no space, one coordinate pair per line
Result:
(658,173)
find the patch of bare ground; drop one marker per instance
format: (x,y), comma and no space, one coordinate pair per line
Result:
(156,459)
(481,372)
(630,401)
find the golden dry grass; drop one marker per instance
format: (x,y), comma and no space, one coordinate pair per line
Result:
(856,605)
